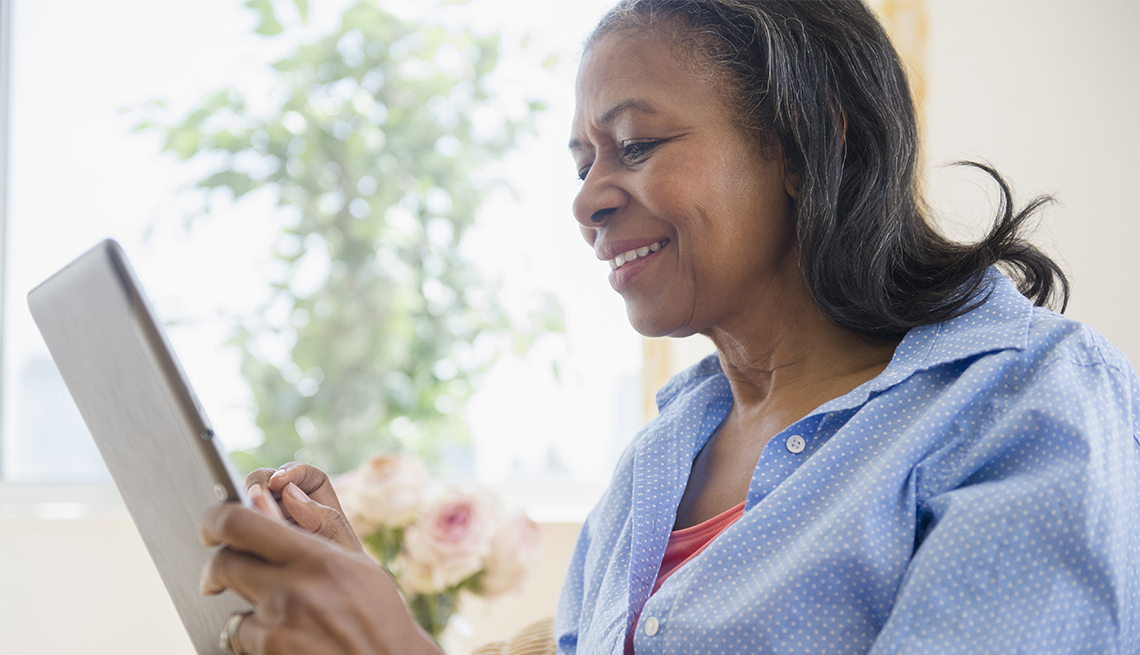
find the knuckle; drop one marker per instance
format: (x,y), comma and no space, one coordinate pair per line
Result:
(213,574)
(274,643)
(229,522)
(294,607)
(216,524)
(342,566)
(313,477)
(258,477)
(331,521)
(328,526)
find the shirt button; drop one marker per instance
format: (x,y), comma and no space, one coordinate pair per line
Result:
(795,444)
(651,626)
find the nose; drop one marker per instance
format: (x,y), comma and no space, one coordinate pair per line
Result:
(598,200)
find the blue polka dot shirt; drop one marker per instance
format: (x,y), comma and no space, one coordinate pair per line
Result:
(981,495)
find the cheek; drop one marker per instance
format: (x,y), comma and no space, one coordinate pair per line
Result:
(702,211)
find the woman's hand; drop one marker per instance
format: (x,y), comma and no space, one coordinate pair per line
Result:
(310,596)
(305,497)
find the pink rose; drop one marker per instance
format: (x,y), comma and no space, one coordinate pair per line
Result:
(515,548)
(447,543)
(384,491)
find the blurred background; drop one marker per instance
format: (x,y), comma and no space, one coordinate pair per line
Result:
(354,219)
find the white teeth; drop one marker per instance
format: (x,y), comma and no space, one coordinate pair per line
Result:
(630,255)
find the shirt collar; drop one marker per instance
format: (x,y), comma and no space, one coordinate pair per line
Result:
(1000,322)
(708,366)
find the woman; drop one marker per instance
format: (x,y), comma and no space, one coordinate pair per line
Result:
(893,449)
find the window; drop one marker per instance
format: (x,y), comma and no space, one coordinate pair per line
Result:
(77,174)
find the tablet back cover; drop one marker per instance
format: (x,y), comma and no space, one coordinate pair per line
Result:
(146,421)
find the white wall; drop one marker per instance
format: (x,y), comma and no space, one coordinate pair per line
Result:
(1047,91)
(87,586)
(82,586)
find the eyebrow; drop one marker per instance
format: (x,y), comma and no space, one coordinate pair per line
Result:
(615,111)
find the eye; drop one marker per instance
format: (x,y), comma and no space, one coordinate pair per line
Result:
(635,152)
(583,173)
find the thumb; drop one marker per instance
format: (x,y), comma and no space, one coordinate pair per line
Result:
(319,519)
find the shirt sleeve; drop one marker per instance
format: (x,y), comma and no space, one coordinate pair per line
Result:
(1028,534)
(570,600)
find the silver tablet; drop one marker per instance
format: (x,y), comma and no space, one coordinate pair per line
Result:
(150,429)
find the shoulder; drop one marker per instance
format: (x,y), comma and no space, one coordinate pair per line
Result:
(1007,384)
(1052,336)
(1016,389)
(1070,369)
(1065,365)
(1006,329)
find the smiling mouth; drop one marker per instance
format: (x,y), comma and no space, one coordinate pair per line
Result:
(630,255)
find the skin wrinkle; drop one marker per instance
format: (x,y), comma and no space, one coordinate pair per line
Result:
(727,206)
(705,219)
(886,269)
(731,268)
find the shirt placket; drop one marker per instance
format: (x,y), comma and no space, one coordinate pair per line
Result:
(658,509)
(785,453)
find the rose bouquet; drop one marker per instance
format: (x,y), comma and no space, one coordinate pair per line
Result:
(436,545)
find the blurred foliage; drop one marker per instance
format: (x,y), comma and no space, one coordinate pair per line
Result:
(373,149)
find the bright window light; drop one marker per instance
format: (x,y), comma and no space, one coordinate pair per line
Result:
(80,70)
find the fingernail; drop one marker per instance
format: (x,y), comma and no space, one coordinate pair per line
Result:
(296,494)
(257,497)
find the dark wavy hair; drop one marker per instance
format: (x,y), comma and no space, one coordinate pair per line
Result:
(821,80)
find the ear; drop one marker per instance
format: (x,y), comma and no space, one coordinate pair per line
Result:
(841,128)
(791,180)
(841,123)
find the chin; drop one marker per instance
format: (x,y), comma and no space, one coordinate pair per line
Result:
(650,325)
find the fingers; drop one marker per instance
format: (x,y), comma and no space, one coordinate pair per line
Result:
(249,635)
(264,503)
(259,478)
(318,518)
(305,489)
(309,597)
(250,531)
(258,634)
(261,635)
(309,479)
(245,575)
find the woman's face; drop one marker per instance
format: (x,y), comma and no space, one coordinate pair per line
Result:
(668,176)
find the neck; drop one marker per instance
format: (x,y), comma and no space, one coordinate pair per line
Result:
(795,356)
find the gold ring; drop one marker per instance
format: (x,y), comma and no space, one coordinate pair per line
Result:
(227,641)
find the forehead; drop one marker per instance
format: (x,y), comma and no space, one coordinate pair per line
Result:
(627,73)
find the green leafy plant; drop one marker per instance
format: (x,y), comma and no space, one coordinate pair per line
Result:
(374,148)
